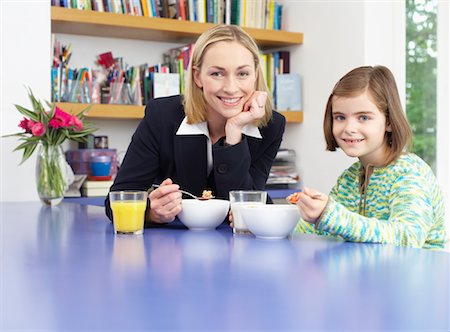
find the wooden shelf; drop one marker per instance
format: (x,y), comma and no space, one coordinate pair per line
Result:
(105,111)
(293,116)
(100,24)
(113,111)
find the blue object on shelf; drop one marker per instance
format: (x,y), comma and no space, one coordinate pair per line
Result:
(100,165)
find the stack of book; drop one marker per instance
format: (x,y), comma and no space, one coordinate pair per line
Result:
(283,173)
(95,188)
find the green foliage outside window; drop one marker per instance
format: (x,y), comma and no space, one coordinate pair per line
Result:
(421,35)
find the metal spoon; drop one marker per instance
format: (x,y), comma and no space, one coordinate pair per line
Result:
(154,185)
(315,196)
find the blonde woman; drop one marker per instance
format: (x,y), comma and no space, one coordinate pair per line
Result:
(221,135)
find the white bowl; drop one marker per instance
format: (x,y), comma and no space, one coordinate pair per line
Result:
(203,215)
(271,221)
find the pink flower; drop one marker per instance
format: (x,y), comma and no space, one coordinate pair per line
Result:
(55,123)
(38,129)
(26,125)
(76,122)
(60,119)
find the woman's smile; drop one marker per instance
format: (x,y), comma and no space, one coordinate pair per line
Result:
(230,101)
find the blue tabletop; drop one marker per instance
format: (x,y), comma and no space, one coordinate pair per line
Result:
(64,269)
(100,200)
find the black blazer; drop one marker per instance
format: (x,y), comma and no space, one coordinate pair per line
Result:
(156,153)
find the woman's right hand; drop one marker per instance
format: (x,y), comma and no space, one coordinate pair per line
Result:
(230,218)
(254,109)
(165,202)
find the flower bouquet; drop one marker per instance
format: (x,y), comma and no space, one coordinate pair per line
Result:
(48,129)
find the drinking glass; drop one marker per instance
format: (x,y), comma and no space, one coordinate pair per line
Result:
(239,198)
(128,208)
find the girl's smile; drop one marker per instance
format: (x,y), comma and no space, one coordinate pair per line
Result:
(352,141)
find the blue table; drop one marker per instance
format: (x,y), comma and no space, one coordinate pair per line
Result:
(63,269)
(278,195)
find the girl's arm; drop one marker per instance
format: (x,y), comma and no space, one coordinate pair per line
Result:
(411,216)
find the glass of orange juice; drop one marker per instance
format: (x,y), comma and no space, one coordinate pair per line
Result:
(128,209)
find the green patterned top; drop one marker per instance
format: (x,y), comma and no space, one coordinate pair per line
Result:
(404,206)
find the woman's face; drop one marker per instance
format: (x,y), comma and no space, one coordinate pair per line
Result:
(227,77)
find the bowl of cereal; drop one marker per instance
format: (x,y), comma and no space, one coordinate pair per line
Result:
(203,214)
(271,221)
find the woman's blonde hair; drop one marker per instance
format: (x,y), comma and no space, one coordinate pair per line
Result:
(194,102)
(380,84)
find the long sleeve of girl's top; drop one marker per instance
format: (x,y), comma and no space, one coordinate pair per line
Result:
(408,211)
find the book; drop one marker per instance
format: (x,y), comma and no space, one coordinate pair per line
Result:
(165,85)
(75,186)
(95,188)
(284,62)
(288,93)
(97,184)
(90,192)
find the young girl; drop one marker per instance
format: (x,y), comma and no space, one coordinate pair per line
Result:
(389,195)
(221,135)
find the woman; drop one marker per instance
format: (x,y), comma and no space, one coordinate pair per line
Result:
(222,135)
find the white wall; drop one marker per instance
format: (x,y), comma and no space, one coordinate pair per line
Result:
(334,43)
(338,36)
(24,61)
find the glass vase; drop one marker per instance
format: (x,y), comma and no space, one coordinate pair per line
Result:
(51,174)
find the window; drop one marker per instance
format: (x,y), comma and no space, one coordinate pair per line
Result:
(421,80)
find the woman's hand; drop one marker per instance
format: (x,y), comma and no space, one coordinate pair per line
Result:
(230,218)
(312,204)
(254,109)
(165,202)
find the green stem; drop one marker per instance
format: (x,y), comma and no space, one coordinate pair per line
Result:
(51,181)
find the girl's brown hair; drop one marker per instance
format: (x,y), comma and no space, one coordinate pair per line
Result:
(194,102)
(380,84)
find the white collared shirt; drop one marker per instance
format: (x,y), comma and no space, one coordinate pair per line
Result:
(201,128)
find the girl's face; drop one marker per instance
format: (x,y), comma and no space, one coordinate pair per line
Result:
(227,77)
(359,128)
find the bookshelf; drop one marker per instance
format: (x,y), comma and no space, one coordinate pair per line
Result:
(113,111)
(103,24)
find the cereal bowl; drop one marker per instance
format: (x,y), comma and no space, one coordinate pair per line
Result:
(271,221)
(203,214)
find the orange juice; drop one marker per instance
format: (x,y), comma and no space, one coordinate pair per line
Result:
(128,216)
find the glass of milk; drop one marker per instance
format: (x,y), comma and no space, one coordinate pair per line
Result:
(239,198)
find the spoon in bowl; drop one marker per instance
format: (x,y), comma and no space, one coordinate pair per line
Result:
(154,185)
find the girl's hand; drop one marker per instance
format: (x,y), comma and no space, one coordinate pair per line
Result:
(312,204)
(165,202)
(254,109)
